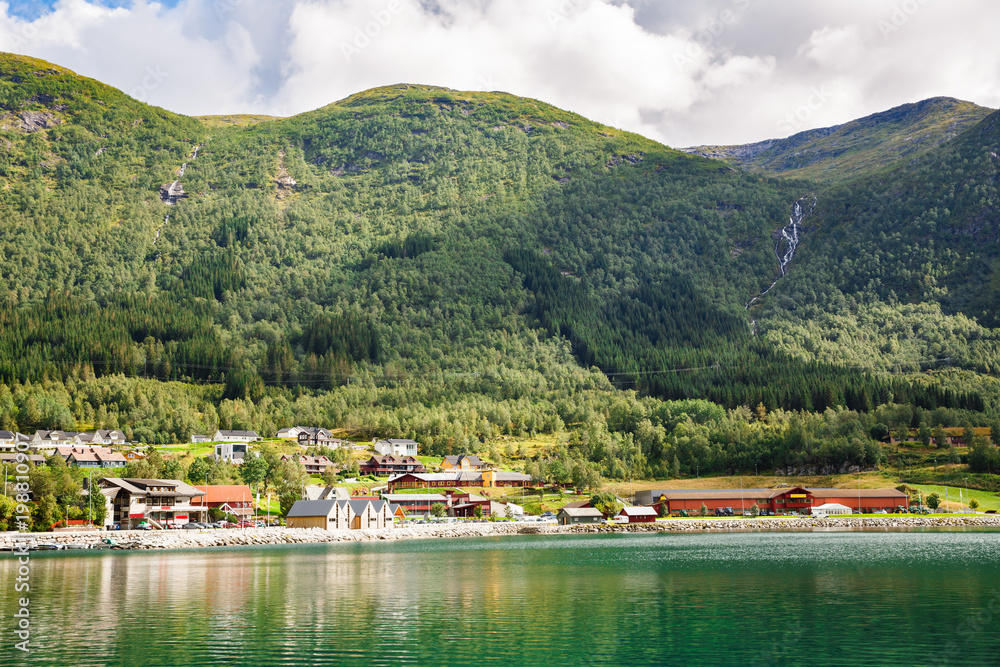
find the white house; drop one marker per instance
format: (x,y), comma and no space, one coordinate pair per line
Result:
(49,440)
(233,452)
(235,436)
(103,437)
(9,440)
(396,447)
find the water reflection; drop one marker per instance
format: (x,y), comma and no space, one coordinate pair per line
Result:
(664,599)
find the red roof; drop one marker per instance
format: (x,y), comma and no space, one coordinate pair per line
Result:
(224,493)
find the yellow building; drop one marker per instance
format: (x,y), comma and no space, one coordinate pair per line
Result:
(462,462)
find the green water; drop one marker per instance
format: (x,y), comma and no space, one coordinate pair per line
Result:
(930,598)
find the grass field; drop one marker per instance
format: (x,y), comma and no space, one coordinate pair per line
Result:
(987,500)
(869,480)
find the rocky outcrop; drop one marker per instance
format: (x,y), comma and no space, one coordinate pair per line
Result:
(28,121)
(171,193)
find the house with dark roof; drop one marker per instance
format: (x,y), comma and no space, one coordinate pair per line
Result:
(12,458)
(49,440)
(355,514)
(92,457)
(103,437)
(314,465)
(235,436)
(571,516)
(381,466)
(462,462)
(458,479)
(9,440)
(160,502)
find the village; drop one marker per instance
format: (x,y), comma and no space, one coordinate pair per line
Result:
(403,488)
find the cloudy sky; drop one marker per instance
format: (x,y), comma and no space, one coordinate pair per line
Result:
(683,72)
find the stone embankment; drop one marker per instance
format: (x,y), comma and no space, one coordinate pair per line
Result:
(185,539)
(888,522)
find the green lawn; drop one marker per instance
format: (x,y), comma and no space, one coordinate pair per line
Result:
(987,500)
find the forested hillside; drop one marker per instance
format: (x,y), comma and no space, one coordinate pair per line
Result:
(416,261)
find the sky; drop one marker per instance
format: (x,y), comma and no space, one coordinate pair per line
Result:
(683,72)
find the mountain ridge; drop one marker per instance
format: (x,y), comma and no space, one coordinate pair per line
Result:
(858,147)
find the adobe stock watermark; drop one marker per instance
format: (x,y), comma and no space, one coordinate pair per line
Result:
(487,83)
(28,32)
(974,626)
(223,8)
(363,35)
(899,16)
(710,30)
(22,582)
(794,121)
(153,77)
(564,10)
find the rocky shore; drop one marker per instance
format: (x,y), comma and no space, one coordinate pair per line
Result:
(133,540)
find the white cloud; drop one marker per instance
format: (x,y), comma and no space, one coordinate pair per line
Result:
(835,48)
(721,71)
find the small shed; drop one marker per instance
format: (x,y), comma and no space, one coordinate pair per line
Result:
(833,508)
(639,514)
(569,516)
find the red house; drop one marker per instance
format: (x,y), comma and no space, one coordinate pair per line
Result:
(639,514)
(230,498)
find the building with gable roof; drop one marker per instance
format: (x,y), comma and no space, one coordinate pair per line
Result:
(462,462)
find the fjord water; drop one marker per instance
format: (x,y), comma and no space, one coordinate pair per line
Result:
(836,598)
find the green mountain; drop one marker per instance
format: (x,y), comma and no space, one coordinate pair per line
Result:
(417,261)
(857,148)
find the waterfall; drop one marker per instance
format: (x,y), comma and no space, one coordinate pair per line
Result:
(789,240)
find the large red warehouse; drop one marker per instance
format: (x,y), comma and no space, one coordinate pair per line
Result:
(783,500)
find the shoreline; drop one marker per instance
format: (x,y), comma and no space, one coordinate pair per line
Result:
(164,540)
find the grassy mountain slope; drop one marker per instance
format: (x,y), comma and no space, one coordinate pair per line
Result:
(858,148)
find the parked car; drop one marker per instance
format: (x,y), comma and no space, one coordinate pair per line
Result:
(191,526)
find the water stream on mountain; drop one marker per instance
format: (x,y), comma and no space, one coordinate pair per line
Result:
(174,192)
(789,240)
